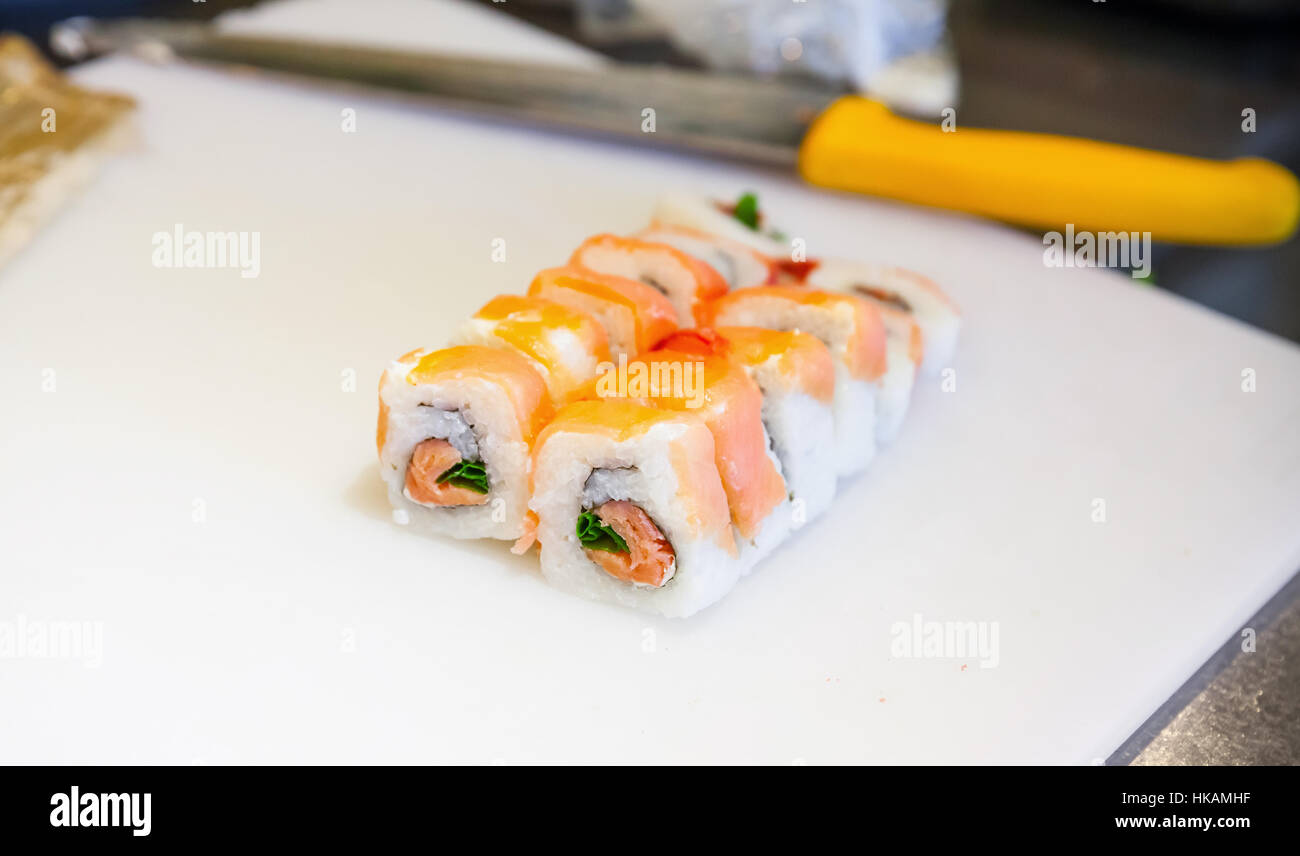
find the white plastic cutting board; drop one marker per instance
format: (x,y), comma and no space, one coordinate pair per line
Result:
(294,622)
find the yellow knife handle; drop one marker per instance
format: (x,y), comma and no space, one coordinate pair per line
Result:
(1045,182)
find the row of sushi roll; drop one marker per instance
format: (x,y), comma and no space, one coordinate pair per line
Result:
(664,410)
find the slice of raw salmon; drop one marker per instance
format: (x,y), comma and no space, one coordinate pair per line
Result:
(432,458)
(649,559)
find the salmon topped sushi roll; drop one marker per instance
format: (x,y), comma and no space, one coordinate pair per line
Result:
(635,315)
(739,265)
(853,331)
(796,375)
(563,344)
(456,427)
(739,224)
(682,278)
(905,291)
(904,348)
(738,220)
(630,508)
(721,394)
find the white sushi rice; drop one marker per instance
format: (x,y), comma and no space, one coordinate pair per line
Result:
(940,323)
(855,422)
(478,419)
(802,432)
(449,425)
(894,388)
(577,471)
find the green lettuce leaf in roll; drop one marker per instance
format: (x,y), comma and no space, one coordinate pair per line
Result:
(746,210)
(597,536)
(467,474)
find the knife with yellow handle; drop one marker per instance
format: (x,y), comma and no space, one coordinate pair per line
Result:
(838,141)
(1043,181)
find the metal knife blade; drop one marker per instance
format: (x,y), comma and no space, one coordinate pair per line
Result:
(735,117)
(845,142)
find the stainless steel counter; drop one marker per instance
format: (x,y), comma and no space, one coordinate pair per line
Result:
(1241,707)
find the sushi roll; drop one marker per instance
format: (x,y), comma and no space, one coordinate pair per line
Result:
(796,375)
(630,508)
(456,427)
(743,223)
(903,290)
(739,265)
(855,334)
(740,221)
(719,392)
(564,346)
(682,278)
(635,315)
(903,354)
(740,227)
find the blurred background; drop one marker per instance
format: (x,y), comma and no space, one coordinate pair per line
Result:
(1165,74)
